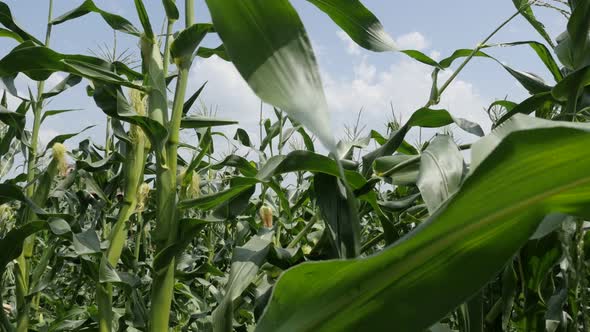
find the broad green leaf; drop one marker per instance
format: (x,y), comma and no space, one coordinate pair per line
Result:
(572,85)
(305,161)
(246,262)
(402,169)
(114,21)
(441,171)
(171,9)
(40,62)
(112,101)
(11,245)
(7,20)
(339,210)
(184,45)
(527,12)
(423,117)
(577,28)
(267,43)
(208,202)
(64,137)
(358,22)
(462,246)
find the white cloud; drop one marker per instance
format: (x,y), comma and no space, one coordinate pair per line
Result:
(412,41)
(405,84)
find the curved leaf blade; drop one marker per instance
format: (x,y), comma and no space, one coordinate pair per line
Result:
(267,43)
(477,231)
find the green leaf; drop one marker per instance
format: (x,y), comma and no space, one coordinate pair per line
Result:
(116,22)
(246,262)
(527,12)
(66,83)
(544,55)
(358,22)
(171,10)
(533,83)
(423,117)
(49,113)
(189,103)
(112,101)
(7,20)
(306,161)
(529,105)
(208,202)
(11,245)
(577,28)
(187,41)
(64,137)
(144,18)
(10,34)
(40,62)
(12,119)
(441,171)
(462,246)
(195,122)
(339,209)
(402,169)
(206,52)
(267,43)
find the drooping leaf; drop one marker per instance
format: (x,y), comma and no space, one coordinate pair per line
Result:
(40,62)
(114,21)
(66,83)
(441,171)
(7,20)
(462,246)
(421,118)
(358,22)
(207,52)
(527,12)
(184,45)
(246,261)
(267,43)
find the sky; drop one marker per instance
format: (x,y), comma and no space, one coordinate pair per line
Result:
(353,78)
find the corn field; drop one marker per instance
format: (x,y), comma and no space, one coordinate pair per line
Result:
(296,230)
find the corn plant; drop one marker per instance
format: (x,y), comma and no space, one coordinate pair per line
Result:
(375,234)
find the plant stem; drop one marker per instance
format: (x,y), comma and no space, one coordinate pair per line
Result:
(21,269)
(189,12)
(167,216)
(473,53)
(133,168)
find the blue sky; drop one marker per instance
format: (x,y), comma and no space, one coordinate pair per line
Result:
(353,78)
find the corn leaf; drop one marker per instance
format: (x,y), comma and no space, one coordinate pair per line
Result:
(267,43)
(358,22)
(456,252)
(116,22)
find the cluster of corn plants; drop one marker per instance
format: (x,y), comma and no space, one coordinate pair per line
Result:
(375,235)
